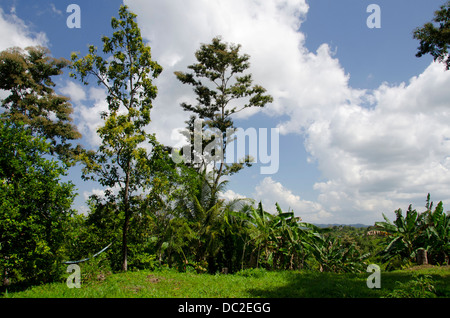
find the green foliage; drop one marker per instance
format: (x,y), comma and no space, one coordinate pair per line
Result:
(429,230)
(226,92)
(35,207)
(282,241)
(166,214)
(27,76)
(335,257)
(403,231)
(249,283)
(421,286)
(220,63)
(253,272)
(122,160)
(435,237)
(435,39)
(94,270)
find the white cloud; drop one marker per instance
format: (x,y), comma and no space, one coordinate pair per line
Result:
(14,32)
(270,192)
(88,117)
(230,195)
(74,91)
(55,10)
(175,30)
(387,156)
(377,150)
(101,193)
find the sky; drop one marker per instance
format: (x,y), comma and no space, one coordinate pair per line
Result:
(363,123)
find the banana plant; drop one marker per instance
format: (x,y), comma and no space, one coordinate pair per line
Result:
(404,231)
(279,240)
(332,256)
(436,233)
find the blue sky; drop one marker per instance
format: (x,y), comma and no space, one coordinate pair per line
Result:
(350,102)
(371,56)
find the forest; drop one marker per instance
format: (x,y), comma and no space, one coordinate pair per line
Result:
(167,212)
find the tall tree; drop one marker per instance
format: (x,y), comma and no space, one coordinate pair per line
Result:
(27,76)
(126,70)
(435,37)
(222,66)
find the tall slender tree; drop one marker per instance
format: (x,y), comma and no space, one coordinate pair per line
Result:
(222,90)
(126,70)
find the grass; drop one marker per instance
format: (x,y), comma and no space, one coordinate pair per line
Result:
(246,284)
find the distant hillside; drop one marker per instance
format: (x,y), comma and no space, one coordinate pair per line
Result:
(358,225)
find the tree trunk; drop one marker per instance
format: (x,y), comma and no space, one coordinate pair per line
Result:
(421,257)
(126,221)
(124,242)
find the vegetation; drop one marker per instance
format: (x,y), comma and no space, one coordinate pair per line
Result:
(434,37)
(162,220)
(27,76)
(429,230)
(250,283)
(35,207)
(121,160)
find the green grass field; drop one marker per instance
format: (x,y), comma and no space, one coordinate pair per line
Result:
(249,284)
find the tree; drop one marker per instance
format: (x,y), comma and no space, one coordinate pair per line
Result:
(126,72)
(27,76)
(221,65)
(35,206)
(435,39)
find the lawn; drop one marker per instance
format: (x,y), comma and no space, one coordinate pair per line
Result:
(246,284)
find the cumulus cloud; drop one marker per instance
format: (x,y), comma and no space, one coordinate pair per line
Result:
(15,32)
(377,150)
(269,192)
(175,30)
(74,91)
(230,195)
(89,104)
(387,155)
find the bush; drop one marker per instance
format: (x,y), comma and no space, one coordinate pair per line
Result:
(420,287)
(96,269)
(35,207)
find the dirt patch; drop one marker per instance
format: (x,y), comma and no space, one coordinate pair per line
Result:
(134,289)
(155,279)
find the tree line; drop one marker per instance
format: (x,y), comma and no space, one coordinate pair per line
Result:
(165,212)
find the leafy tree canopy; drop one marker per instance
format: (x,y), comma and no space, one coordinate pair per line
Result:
(435,37)
(27,76)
